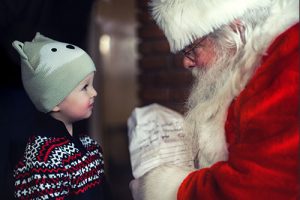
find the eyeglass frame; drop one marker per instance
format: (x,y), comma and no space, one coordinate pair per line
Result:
(191,49)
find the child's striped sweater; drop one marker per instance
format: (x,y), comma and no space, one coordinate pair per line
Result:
(56,165)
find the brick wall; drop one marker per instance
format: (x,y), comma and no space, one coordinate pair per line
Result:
(161,79)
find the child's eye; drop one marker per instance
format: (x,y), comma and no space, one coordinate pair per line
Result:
(85,87)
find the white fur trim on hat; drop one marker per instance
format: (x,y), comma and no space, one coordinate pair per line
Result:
(183,21)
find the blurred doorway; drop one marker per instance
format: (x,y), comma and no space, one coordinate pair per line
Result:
(112,44)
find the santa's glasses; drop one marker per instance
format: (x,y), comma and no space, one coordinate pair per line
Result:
(190,51)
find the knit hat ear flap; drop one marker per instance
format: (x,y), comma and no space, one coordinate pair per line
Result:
(19,47)
(41,38)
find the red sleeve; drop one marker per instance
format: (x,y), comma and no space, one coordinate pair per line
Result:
(263,133)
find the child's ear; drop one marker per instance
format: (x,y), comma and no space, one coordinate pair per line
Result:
(55,109)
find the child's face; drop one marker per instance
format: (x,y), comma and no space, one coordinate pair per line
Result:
(79,103)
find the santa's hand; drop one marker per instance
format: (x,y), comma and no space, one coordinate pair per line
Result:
(156,138)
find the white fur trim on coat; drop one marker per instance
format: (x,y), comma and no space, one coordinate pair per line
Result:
(162,183)
(183,21)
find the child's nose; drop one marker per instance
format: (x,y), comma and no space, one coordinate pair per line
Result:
(93,92)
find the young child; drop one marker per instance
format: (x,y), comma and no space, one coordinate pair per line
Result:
(59,162)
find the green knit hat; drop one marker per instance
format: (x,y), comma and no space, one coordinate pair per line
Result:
(51,70)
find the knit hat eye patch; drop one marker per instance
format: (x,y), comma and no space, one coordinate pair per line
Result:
(69,46)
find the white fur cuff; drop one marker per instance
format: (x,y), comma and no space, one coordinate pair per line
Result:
(162,183)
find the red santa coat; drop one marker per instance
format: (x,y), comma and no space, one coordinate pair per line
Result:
(262,131)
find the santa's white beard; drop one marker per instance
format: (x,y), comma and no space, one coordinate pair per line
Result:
(207,109)
(208,81)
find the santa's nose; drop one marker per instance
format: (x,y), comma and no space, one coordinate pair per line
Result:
(188,63)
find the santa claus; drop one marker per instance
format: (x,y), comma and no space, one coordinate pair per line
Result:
(243,108)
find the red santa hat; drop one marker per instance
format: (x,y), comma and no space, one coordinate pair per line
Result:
(183,21)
